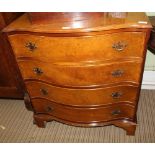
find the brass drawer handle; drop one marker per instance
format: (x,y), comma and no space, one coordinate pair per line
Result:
(31,46)
(49,109)
(116,112)
(43,91)
(37,71)
(117,73)
(116,95)
(119,46)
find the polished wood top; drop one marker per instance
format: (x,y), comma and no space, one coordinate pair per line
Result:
(82,23)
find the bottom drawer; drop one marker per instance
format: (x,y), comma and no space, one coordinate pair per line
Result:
(83,115)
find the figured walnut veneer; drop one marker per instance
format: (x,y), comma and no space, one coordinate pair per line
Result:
(81,72)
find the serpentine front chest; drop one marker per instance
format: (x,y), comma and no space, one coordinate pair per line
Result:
(84,72)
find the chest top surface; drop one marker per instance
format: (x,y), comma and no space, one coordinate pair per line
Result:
(84,23)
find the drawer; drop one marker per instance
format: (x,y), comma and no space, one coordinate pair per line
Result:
(85,115)
(82,97)
(82,75)
(101,47)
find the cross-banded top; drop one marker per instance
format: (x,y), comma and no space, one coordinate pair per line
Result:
(78,22)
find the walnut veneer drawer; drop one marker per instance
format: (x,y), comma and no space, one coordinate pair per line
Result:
(77,74)
(101,47)
(83,115)
(83,97)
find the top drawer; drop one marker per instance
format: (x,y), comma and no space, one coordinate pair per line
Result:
(101,47)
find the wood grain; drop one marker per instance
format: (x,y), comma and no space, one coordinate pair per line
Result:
(105,22)
(82,97)
(83,115)
(82,74)
(53,49)
(67,67)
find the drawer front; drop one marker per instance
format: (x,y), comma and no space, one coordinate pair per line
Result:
(82,75)
(101,47)
(85,115)
(82,97)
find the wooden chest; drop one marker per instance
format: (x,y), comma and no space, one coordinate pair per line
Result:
(82,72)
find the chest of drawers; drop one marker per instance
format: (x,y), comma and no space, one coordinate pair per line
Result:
(84,73)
